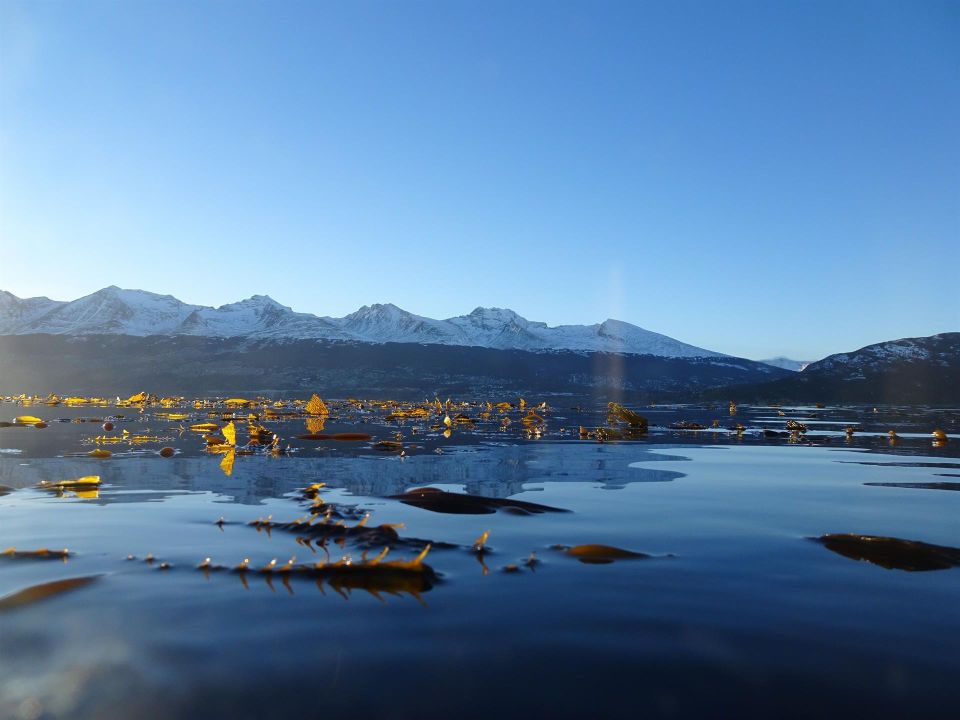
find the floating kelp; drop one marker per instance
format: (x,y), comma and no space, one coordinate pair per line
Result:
(458,504)
(605,434)
(600,554)
(204,427)
(634,420)
(341,437)
(389,446)
(6,490)
(323,528)
(375,575)
(892,553)
(12,553)
(88,482)
(317,407)
(36,593)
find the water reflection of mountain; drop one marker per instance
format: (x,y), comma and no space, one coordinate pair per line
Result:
(497,471)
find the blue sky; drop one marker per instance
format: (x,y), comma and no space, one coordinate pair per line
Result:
(757,178)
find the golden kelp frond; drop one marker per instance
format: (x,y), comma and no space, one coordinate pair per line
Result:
(230,433)
(84,483)
(316,406)
(27,420)
(238,402)
(172,416)
(634,420)
(100,453)
(479,545)
(226,464)
(142,439)
(531,419)
(204,427)
(315,425)
(416,412)
(140,397)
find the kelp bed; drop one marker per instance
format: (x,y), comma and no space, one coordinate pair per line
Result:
(175,557)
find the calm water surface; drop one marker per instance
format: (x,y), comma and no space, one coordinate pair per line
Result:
(737,611)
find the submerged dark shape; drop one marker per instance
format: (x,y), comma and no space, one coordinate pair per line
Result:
(458,504)
(6,490)
(593,554)
(36,593)
(919,485)
(686,425)
(892,553)
(310,529)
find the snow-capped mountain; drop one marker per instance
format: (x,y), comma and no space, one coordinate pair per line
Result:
(16,313)
(110,311)
(785,363)
(259,316)
(114,311)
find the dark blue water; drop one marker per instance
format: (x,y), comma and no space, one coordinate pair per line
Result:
(737,611)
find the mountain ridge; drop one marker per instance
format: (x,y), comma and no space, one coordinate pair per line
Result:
(912,370)
(117,311)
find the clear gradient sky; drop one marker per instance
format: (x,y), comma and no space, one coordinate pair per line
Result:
(758,178)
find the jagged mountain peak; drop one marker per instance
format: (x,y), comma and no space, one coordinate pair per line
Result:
(495,312)
(379,310)
(256,301)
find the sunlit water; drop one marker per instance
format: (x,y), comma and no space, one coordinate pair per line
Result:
(738,611)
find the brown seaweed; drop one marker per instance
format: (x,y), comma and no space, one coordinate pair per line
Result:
(441,501)
(36,593)
(375,575)
(594,554)
(11,553)
(892,553)
(636,421)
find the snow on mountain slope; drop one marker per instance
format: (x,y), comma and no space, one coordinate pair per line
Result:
(501,329)
(942,349)
(259,316)
(140,313)
(16,312)
(388,323)
(113,311)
